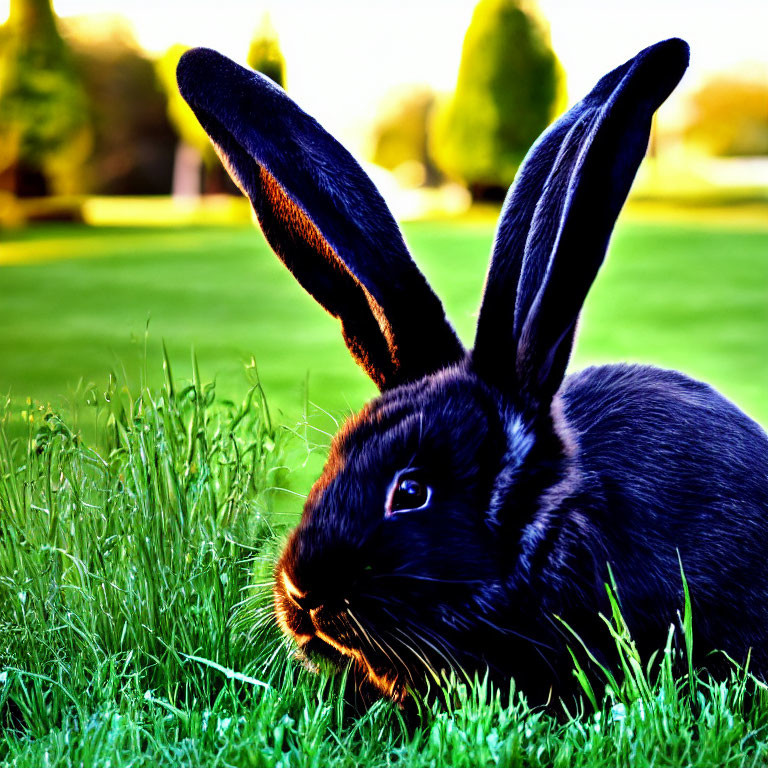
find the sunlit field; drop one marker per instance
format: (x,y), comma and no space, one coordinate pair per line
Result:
(143,510)
(77,302)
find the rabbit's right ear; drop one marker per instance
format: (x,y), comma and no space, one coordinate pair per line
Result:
(556,223)
(324,219)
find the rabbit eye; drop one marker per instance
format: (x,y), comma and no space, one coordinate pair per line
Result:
(407,493)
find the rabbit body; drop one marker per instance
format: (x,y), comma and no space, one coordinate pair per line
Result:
(470,516)
(588,491)
(659,457)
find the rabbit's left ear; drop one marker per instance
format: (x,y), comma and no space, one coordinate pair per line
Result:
(556,223)
(324,219)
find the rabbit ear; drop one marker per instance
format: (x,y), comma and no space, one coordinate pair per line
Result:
(556,223)
(324,219)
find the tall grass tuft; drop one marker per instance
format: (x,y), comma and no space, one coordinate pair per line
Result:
(118,564)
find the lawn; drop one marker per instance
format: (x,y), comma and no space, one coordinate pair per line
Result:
(135,562)
(75,302)
(136,626)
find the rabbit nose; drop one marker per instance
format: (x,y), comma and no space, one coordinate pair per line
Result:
(304,601)
(309,603)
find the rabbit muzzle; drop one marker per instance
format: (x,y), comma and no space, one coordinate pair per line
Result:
(330,631)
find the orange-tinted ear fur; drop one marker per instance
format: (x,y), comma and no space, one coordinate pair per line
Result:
(323,218)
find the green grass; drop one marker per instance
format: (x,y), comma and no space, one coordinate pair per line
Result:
(75,301)
(136,625)
(136,554)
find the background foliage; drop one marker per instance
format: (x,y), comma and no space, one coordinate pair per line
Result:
(510,86)
(729,116)
(133,141)
(44,131)
(264,54)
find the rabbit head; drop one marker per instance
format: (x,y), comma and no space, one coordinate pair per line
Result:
(415,552)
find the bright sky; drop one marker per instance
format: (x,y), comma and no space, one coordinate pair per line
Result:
(344,55)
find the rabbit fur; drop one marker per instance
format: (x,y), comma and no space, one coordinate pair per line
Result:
(480,504)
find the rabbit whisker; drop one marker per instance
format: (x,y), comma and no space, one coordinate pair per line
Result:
(405,667)
(243,608)
(514,633)
(282,644)
(537,644)
(417,651)
(441,648)
(418,577)
(365,636)
(373,640)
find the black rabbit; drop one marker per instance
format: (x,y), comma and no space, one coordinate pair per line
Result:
(481,496)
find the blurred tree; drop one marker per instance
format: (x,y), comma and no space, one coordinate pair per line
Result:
(196,164)
(400,134)
(729,116)
(44,129)
(509,88)
(133,140)
(193,149)
(264,54)
(183,119)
